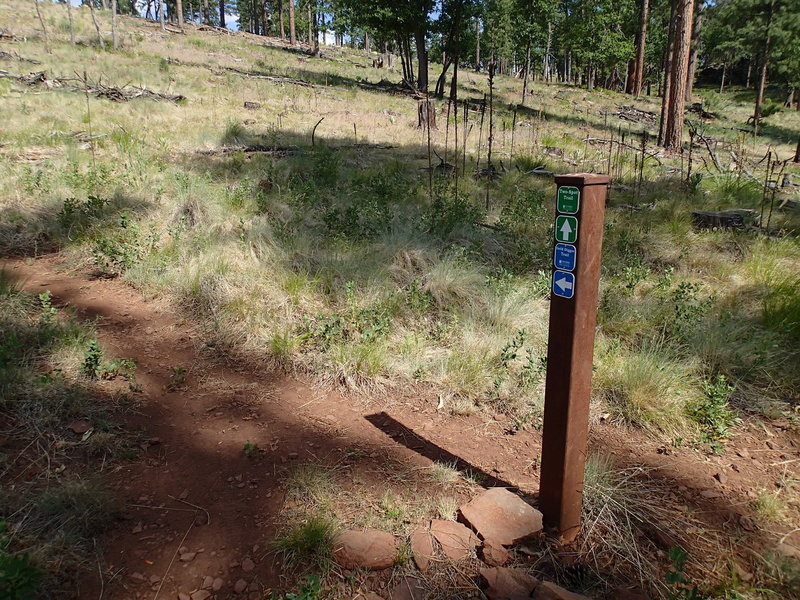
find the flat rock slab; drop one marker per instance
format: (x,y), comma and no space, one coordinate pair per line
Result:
(422,548)
(550,591)
(370,549)
(502,516)
(508,584)
(457,541)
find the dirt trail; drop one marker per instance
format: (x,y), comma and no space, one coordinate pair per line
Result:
(193,440)
(195,506)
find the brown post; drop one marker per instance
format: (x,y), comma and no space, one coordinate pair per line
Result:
(581,200)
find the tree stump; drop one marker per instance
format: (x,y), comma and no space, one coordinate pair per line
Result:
(722,219)
(426,114)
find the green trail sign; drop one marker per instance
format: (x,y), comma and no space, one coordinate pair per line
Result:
(568,200)
(566,229)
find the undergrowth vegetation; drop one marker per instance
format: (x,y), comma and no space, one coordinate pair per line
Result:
(51,506)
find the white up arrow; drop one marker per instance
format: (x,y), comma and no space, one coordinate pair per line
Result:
(566,230)
(564,284)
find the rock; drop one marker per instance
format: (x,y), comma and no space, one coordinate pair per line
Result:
(184,596)
(79,427)
(494,554)
(721,477)
(188,556)
(550,591)
(371,549)
(138,529)
(252,105)
(240,586)
(372,596)
(136,576)
(457,541)
(502,516)
(217,585)
(422,548)
(248,565)
(201,595)
(208,581)
(508,584)
(409,588)
(709,494)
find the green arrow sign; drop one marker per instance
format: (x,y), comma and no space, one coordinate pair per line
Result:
(569,199)
(566,229)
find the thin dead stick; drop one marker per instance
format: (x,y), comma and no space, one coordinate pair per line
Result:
(99,570)
(169,566)
(208,515)
(314,131)
(97,26)
(161,507)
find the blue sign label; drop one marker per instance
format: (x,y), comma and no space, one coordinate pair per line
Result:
(563,284)
(564,257)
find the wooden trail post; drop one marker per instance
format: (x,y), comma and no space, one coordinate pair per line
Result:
(580,208)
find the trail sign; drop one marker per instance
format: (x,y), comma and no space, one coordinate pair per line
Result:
(570,346)
(566,229)
(563,284)
(564,257)
(568,199)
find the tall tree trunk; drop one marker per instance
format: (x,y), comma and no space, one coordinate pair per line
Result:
(527,71)
(206,13)
(44,28)
(315,15)
(749,73)
(641,43)
(71,23)
(546,65)
(105,4)
(673,132)
(422,59)
(222,13)
(477,44)
(114,37)
(762,80)
(367,46)
(280,19)
(698,23)
(292,32)
(162,8)
(667,79)
(310,25)
(96,26)
(722,81)
(797,152)
(179,12)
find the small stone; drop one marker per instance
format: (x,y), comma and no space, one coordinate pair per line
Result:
(494,554)
(240,586)
(550,591)
(79,427)
(508,584)
(742,452)
(208,581)
(217,585)
(184,494)
(252,105)
(201,595)
(372,596)
(457,541)
(188,556)
(710,494)
(502,516)
(184,596)
(292,455)
(136,576)
(154,578)
(248,565)
(422,548)
(721,477)
(138,528)
(371,549)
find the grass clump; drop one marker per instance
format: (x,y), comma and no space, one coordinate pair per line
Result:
(308,544)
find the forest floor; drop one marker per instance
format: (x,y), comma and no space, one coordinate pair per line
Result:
(234,333)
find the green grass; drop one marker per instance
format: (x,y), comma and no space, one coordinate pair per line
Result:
(308,545)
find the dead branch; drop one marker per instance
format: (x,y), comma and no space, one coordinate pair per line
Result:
(15,56)
(623,144)
(115,94)
(278,151)
(712,154)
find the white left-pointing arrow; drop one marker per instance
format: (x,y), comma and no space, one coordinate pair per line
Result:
(564,284)
(566,230)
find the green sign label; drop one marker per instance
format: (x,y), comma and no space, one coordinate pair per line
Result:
(569,199)
(566,229)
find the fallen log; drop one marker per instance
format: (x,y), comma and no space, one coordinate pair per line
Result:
(279,151)
(9,56)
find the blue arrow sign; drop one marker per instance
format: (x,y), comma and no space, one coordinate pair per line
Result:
(563,284)
(564,257)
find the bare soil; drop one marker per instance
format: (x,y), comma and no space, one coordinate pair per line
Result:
(194,490)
